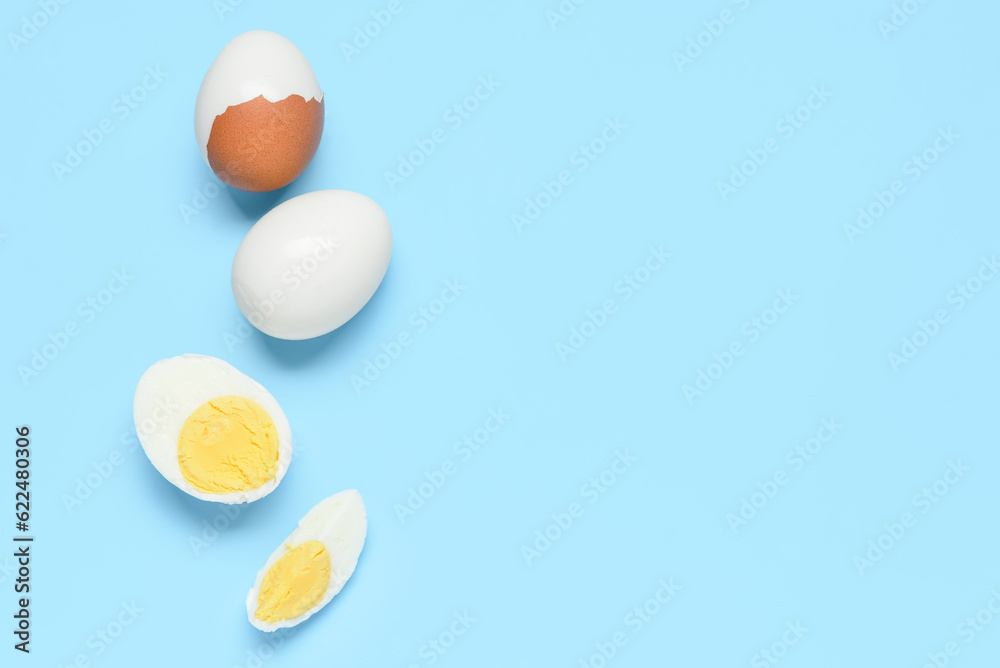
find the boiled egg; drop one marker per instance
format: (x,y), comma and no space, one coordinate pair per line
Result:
(259,114)
(312,565)
(311,263)
(211,430)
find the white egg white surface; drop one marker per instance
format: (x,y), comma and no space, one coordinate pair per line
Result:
(340,522)
(255,63)
(170,390)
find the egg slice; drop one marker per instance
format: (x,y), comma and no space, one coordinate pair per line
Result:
(211,430)
(312,565)
(258,118)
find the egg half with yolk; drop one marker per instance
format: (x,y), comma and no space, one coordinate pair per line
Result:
(211,430)
(312,565)
(259,114)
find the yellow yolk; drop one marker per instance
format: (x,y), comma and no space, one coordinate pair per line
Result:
(295,584)
(228,444)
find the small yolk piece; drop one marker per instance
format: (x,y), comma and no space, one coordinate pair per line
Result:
(228,444)
(295,583)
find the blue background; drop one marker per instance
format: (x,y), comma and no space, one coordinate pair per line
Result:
(496,345)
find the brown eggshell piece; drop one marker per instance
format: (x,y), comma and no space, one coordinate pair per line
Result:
(259,145)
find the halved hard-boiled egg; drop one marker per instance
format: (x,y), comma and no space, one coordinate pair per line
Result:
(312,565)
(211,430)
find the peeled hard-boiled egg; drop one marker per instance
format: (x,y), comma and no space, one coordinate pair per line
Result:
(311,263)
(211,430)
(259,114)
(312,565)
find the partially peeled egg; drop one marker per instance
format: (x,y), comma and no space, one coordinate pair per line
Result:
(312,565)
(259,115)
